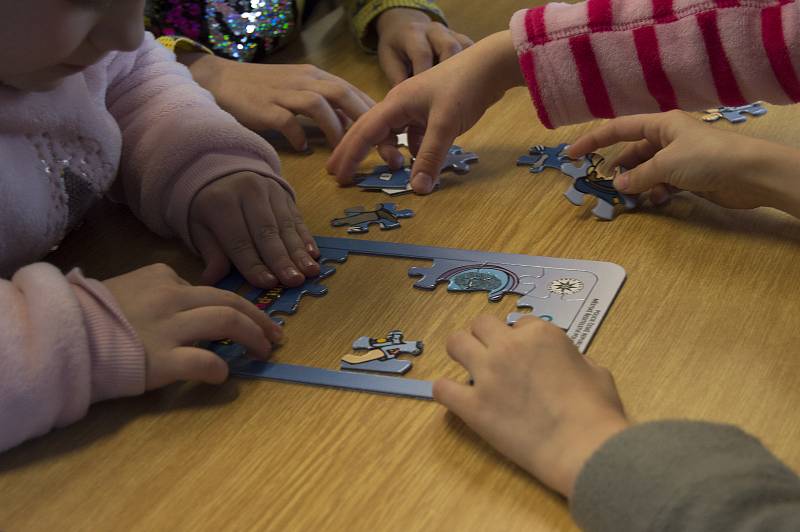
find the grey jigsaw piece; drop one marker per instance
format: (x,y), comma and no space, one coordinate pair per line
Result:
(558,296)
(385,215)
(364,382)
(290,298)
(458,160)
(396,366)
(508,278)
(394,341)
(578,169)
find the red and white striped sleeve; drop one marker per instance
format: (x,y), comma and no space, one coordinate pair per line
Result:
(606,58)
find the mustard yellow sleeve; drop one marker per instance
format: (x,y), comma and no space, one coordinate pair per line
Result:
(362,14)
(177,44)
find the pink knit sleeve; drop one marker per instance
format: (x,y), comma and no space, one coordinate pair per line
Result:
(606,58)
(63,345)
(176,140)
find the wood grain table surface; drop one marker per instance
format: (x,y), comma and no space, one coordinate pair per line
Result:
(706,327)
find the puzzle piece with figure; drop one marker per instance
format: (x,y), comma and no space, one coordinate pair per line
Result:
(735,115)
(382,353)
(359,219)
(587,180)
(540,157)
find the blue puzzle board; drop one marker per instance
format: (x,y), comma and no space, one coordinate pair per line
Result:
(573,294)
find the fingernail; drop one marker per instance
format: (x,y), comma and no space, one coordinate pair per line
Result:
(304,148)
(292,272)
(277,335)
(308,262)
(425,181)
(621,182)
(398,160)
(267,279)
(311,248)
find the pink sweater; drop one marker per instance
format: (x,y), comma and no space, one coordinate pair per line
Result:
(134,126)
(605,58)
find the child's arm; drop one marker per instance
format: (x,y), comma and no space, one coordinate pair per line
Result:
(556,414)
(601,59)
(63,345)
(190,169)
(68,341)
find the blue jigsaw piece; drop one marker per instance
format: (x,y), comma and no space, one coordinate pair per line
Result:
(540,157)
(603,189)
(384,177)
(458,160)
(735,115)
(385,214)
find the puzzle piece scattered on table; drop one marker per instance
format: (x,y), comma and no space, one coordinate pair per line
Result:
(382,353)
(540,157)
(601,188)
(359,219)
(584,167)
(458,160)
(734,115)
(383,177)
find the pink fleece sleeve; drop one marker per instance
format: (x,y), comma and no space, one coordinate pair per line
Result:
(63,345)
(606,58)
(175,138)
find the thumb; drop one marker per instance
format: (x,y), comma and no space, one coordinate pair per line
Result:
(641,178)
(439,136)
(195,364)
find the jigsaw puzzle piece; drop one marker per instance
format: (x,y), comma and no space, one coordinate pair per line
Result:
(458,160)
(382,353)
(496,279)
(385,214)
(290,298)
(607,196)
(557,296)
(383,177)
(584,167)
(734,115)
(540,157)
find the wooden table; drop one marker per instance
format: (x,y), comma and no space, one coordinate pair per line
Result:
(706,327)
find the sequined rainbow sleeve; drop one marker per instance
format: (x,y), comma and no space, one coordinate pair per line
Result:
(362,14)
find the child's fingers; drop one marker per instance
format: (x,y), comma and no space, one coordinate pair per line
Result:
(489,329)
(635,154)
(369,102)
(206,296)
(217,264)
(419,52)
(439,136)
(272,234)
(291,227)
(195,364)
(373,128)
(341,95)
(460,399)
(465,41)
(465,349)
(641,178)
(302,230)
(443,41)
(212,323)
(392,64)
(316,107)
(287,123)
(626,128)
(232,233)
(393,156)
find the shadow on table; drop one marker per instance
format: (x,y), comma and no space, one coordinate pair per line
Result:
(106,418)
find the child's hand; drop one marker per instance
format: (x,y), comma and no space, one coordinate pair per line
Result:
(170,316)
(436,106)
(535,397)
(269,97)
(409,42)
(253,221)
(674,151)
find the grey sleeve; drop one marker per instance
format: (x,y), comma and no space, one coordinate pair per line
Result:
(685,476)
